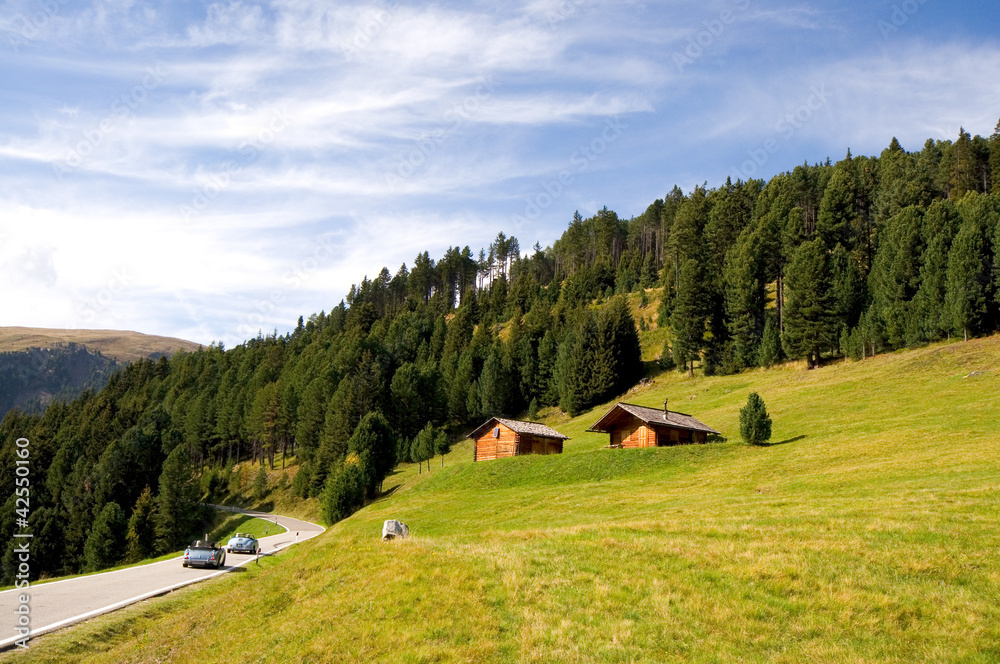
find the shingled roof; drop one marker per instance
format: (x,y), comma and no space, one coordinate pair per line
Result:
(532,428)
(653,417)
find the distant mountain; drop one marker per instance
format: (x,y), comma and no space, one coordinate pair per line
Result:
(121,345)
(38,366)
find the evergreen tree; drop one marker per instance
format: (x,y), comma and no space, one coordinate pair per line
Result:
(344,491)
(895,276)
(667,358)
(809,314)
(621,340)
(140,536)
(745,297)
(260,484)
(770,344)
(105,545)
(495,384)
(995,160)
(755,423)
(687,321)
(969,279)
(375,442)
(177,504)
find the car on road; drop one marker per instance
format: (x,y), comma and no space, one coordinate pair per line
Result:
(204,554)
(243,543)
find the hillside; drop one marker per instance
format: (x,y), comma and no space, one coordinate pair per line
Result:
(122,345)
(866,532)
(38,366)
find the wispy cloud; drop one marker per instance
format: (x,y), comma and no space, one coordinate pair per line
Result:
(393,128)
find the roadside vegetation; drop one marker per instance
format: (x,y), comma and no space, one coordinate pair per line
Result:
(865,530)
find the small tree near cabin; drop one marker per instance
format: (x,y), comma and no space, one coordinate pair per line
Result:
(755,423)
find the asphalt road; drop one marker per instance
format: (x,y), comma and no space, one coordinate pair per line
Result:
(59,604)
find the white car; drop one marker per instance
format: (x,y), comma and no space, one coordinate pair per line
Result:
(242,543)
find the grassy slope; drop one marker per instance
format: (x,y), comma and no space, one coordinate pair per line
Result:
(866,533)
(122,345)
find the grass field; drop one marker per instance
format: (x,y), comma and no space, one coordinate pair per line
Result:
(866,532)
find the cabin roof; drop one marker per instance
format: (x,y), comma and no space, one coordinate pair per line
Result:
(532,428)
(652,417)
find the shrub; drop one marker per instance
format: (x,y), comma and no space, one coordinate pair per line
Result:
(755,423)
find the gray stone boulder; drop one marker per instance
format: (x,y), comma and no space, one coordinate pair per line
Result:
(392,529)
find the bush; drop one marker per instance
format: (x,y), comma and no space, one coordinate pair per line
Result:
(755,423)
(344,492)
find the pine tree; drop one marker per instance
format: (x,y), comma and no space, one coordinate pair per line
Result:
(177,504)
(969,279)
(140,536)
(941,223)
(995,160)
(344,491)
(895,276)
(687,321)
(745,298)
(809,314)
(260,484)
(770,344)
(755,423)
(105,545)
(619,335)
(374,441)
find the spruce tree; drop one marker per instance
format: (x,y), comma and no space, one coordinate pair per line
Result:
(687,320)
(745,298)
(755,423)
(177,503)
(810,323)
(770,344)
(374,441)
(140,536)
(105,545)
(969,280)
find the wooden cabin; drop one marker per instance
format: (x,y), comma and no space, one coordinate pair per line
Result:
(640,426)
(498,438)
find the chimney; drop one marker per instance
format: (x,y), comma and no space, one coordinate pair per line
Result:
(666,413)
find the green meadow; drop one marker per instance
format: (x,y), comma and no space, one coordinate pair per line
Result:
(868,530)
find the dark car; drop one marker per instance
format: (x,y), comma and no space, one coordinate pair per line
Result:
(204,554)
(243,543)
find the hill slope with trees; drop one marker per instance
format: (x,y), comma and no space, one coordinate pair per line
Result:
(854,258)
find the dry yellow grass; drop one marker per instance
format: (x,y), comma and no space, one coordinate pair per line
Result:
(124,346)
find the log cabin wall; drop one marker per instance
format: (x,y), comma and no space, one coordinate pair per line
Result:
(531,444)
(489,447)
(634,433)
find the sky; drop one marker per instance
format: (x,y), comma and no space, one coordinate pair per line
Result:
(211,171)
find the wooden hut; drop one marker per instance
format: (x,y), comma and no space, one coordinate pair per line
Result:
(498,438)
(640,426)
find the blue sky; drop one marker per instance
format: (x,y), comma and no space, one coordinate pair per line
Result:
(208,170)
